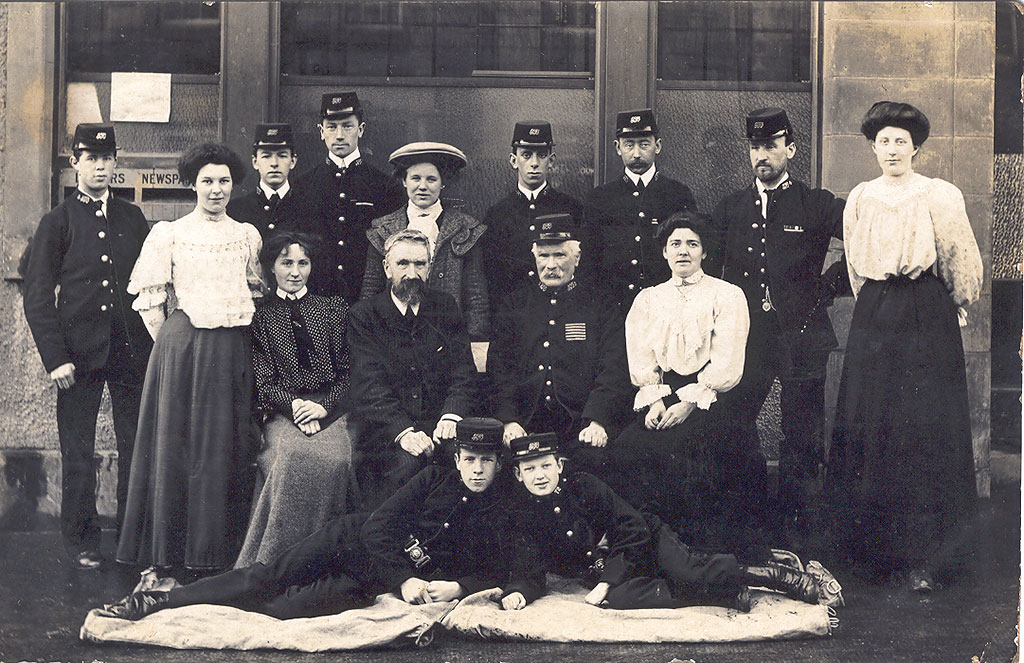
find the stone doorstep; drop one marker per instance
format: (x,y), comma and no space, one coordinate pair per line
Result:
(30,485)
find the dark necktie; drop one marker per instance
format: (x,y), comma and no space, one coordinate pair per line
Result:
(410,315)
(303,341)
(274,200)
(769,203)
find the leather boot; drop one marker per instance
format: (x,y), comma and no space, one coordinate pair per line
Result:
(794,584)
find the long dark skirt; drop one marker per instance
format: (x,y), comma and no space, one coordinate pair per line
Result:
(191,477)
(703,478)
(901,470)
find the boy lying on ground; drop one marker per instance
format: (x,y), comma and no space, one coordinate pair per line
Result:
(578,527)
(433,540)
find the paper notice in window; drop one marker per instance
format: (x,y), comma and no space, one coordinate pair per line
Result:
(140,97)
(83,106)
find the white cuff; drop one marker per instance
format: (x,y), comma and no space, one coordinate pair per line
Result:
(450,417)
(698,393)
(648,394)
(398,438)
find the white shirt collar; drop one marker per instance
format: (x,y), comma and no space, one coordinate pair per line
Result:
(402,306)
(103,199)
(763,192)
(344,162)
(432,212)
(287,295)
(268,192)
(646,177)
(761,187)
(531,195)
(693,279)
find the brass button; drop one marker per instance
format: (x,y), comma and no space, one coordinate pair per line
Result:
(105,258)
(634,261)
(746,273)
(551,322)
(532,206)
(341,195)
(753,225)
(101,234)
(641,215)
(548,383)
(341,242)
(637,238)
(99,212)
(532,228)
(531,272)
(341,218)
(636,193)
(105,283)
(103,308)
(341,268)
(750,249)
(337,174)
(547,344)
(465,499)
(547,398)
(568,533)
(541,367)
(270,226)
(554,301)
(558,509)
(440,275)
(446,525)
(266,208)
(632,286)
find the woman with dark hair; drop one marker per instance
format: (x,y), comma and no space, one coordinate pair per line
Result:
(301,362)
(196,280)
(901,472)
(456,268)
(685,342)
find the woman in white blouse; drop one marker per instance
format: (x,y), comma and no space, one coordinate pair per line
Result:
(424,169)
(191,476)
(901,470)
(685,343)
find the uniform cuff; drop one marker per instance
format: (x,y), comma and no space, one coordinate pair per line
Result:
(650,393)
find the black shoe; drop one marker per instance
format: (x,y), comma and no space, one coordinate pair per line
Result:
(743,602)
(88,560)
(137,605)
(792,583)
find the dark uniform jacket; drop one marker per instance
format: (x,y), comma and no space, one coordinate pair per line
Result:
(337,204)
(508,257)
(435,516)
(254,208)
(796,237)
(456,267)
(626,219)
(408,373)
(567,348)
(90,259)
(559,533)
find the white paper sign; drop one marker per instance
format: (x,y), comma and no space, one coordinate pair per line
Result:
(83,106)
(140,97)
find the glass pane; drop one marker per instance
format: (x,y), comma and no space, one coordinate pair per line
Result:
(166,37)
(734,41)
(449,39)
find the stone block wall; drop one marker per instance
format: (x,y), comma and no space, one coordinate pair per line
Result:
(938,56)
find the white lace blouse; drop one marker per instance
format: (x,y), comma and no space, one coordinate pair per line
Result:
(687,325)
(208,269)
(904,229)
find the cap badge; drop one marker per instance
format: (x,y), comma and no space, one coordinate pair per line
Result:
(533,446)
(546,226)
(478,437)
(759,125)
(337,100)
(101,135)
(271,132)
(534,132)
(634,119)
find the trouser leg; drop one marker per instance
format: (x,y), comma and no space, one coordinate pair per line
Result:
(253,587)
(695,578)
(124,401)
(803,417)
(77,408)
(326,595)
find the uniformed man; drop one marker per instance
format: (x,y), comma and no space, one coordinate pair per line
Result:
(341,196)
(558,352)
(89,335)
(776,232)
(272,204)
(437,539)
(576,526)
(412,375)
(508,261)
(624,213)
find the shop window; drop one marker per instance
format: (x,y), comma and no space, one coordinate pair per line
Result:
(164,37)
(734,41)
(436,39)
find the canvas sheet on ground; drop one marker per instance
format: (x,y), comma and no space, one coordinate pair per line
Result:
(558,617)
